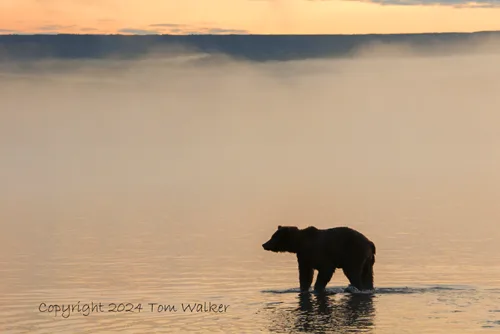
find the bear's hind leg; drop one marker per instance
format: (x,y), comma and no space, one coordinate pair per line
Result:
(324,276)
(367,275)
(353,274)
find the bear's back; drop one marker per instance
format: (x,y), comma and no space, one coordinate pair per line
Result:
(344,244)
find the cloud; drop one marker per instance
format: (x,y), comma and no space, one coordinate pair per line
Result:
(15,32)
(167,25)
(138,31)
(54,27)
(227,31)
(183,29)
(451,3)
(51,29)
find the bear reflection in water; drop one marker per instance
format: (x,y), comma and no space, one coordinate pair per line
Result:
(323,313)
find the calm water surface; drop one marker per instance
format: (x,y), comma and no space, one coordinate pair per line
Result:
(451,286)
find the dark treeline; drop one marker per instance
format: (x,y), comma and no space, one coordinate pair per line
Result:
(252,47)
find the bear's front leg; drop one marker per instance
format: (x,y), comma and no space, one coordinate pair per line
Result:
(306,273)
(324,276)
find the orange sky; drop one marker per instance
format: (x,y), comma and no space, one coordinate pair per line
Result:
(244,16)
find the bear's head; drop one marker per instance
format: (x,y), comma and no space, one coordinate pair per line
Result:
(285,239)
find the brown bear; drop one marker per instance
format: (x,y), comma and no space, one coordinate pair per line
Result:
(325,251)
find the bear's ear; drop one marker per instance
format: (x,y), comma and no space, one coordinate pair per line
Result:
(279,227)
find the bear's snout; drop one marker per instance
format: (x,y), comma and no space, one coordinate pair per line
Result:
(266,246)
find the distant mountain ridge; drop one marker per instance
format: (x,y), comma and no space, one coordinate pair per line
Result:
(251,47)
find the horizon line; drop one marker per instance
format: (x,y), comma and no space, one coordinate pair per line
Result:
(250,34)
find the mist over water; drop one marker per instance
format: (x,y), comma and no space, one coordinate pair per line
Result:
(163,176)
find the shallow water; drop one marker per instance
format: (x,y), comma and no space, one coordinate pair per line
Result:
(153,262)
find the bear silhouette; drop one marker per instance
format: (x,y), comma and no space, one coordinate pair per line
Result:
(325,251)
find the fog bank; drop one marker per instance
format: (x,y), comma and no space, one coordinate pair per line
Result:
(361,136)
